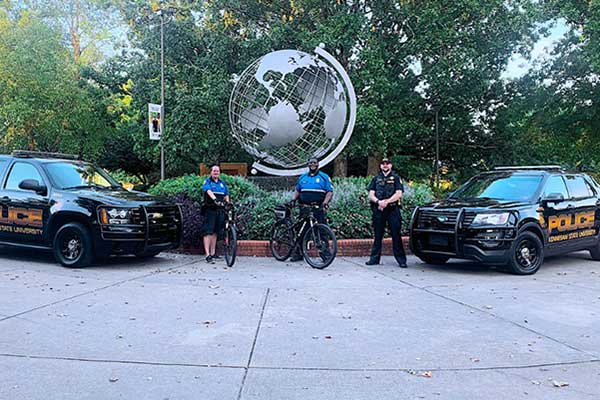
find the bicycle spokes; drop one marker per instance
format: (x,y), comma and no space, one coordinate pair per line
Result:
(319,246)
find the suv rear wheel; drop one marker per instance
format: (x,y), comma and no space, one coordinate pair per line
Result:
(526,254)
(73,245)
(595,252)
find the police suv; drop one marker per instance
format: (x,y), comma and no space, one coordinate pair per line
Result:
(511,217)
(57,202)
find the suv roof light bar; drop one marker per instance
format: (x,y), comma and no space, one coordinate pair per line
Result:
(44,154)
(531,168)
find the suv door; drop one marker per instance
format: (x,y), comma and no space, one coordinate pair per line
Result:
(24,212)
(584,202)
(555,211)
(572,225)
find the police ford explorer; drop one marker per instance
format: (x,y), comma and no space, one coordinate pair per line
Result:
(78,211)
(511,217)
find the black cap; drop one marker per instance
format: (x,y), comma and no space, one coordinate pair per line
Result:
(386,160)
(315,159)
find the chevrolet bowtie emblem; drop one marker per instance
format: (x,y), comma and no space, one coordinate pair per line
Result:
(155,215)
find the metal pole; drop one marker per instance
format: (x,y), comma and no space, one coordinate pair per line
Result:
(437,150)
(162,96)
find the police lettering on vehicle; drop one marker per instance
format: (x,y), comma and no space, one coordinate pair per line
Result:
(313,188)
(579,225)
(21,220)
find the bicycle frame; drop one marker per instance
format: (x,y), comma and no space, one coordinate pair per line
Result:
(299,227)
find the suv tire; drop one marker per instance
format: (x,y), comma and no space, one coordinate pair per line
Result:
(526,254)
(147,254)
(595,252)
(433,259)
(73,245)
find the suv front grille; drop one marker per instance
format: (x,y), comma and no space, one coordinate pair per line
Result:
(443,220)
(468,219)
(164,224)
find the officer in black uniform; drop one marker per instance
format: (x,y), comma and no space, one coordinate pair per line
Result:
(385,193)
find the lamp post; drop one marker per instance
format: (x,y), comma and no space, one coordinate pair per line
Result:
(437,149)
(162,94)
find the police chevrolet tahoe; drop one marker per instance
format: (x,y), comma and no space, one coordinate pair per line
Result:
(511,217)
(57,202)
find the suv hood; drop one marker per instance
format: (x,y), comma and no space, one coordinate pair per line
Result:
(489,204)
(123,197)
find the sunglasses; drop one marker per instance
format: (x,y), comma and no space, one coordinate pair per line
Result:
(385,162)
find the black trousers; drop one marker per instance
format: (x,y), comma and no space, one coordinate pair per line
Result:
(390,216)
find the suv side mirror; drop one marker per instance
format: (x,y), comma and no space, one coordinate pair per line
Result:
(33,185)
(553,198)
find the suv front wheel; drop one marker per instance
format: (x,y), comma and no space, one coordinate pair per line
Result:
(73,245)
(526,254)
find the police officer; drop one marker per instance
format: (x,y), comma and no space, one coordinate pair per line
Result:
(215,193)
(385,193)
(314,187)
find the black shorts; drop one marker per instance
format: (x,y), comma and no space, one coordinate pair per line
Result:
(214,222)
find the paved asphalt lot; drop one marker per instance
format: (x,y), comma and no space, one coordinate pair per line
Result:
(176,328)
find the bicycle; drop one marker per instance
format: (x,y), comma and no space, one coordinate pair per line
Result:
(229,234)
(317,241)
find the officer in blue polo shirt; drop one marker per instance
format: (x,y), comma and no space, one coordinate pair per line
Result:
(215,194)
(314,187)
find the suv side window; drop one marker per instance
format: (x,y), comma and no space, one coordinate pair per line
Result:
(19,172)
(3,165)
(556,184)
(578,187)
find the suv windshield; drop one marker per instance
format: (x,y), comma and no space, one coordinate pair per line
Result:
(68,175)
(506,187)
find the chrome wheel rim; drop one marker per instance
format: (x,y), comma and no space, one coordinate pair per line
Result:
(70,246)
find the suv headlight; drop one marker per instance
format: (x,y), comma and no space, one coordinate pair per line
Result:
(491,219)
(116,216)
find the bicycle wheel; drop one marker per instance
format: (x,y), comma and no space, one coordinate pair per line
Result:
(230,246)
(319,246)
(281,242)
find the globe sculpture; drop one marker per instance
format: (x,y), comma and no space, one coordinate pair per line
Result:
(289,106)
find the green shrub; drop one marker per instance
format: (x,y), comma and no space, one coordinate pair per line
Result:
(349,214)
(191,185)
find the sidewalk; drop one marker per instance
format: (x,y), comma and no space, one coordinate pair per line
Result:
(178,328)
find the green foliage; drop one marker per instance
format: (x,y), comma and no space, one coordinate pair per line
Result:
(406,60)
(191,185)
(43,104)
(124,177)
(349,214)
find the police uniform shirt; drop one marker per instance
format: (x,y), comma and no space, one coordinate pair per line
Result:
(385,186)
(219,189)
(313,188)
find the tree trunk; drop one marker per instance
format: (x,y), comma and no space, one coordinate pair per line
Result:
(340,166)
(373,164)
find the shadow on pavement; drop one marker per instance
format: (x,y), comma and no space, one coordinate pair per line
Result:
(8,253)
(466,266)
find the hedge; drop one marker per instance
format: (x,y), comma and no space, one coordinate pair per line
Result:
(349,214)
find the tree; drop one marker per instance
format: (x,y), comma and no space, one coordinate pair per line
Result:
(42,104)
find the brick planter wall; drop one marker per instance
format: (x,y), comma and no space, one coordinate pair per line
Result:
(346,248)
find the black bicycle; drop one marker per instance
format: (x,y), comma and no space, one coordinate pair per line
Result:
(229,234)
(317,241)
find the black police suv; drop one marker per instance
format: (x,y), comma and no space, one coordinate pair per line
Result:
(55,201)
(511,217)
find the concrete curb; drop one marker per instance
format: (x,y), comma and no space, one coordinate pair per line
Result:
(346,248)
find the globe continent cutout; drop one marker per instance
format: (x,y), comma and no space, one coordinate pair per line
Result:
(289,106)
